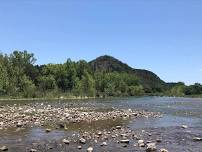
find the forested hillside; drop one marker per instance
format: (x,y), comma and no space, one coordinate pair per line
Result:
(102,77)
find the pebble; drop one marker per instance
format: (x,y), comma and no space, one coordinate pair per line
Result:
(33,150)
(99,133)
(65,141)
(19,124)
(126,141)
(90,149)
(184,126)
(163,150)
(197,139)
(151,147)
(48,130)
(103,144)
(141,143)
(79,147)
(4,148)
(82,141)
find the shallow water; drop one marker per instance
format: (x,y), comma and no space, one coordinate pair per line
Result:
(176,112)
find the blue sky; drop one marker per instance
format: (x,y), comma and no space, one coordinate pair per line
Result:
(164,36)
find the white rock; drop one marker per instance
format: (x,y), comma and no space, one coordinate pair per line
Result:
(90,149)
(184,126)
(4,148)
(66,141)
(163,150)
(151,147)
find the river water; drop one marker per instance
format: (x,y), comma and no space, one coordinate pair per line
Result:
(176,112)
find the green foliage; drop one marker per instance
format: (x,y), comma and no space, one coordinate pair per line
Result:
(195,89)
(150,81)
(105,76)
(177,90)
(28,88)
(136,90)
(47,83)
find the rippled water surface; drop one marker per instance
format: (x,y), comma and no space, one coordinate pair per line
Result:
(176,112)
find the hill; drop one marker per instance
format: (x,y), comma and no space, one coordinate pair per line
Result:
(149,80)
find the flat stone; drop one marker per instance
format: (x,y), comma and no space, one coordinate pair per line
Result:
(184,126)
(79,147)
(65,141)
(99,133)
(90,149)
(48,130)
(151,147)
(33,150)
(82,141)
(103,144)
(197,139)
(118,127)
(125,141)
(163,150)
(141,143)
(4,148)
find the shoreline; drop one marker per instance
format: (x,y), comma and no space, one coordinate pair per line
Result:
(86,98)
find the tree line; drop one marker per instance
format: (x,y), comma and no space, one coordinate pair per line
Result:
(20,77)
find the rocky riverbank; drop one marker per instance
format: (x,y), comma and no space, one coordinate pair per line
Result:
(57,117)
(41,114)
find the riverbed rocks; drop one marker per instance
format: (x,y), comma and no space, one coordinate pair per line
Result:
(39,114)
(62,117)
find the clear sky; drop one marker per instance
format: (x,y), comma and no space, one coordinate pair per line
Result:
(164,36)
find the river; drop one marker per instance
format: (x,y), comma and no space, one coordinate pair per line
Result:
(176,112)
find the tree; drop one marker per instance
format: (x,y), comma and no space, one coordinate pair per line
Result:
(136,90)
(29,88)
(4,81)
(47,83)
(88,85)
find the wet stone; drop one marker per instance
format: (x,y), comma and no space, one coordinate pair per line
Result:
(82,141)
(118,127)
(126,141)
(184,126)
(33,150)
(141,143)
(90,149)
(197,139)
(79,147)
(48,130)
(151,147)
(65,141)
(163,150)
(4,148)
(103,144)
